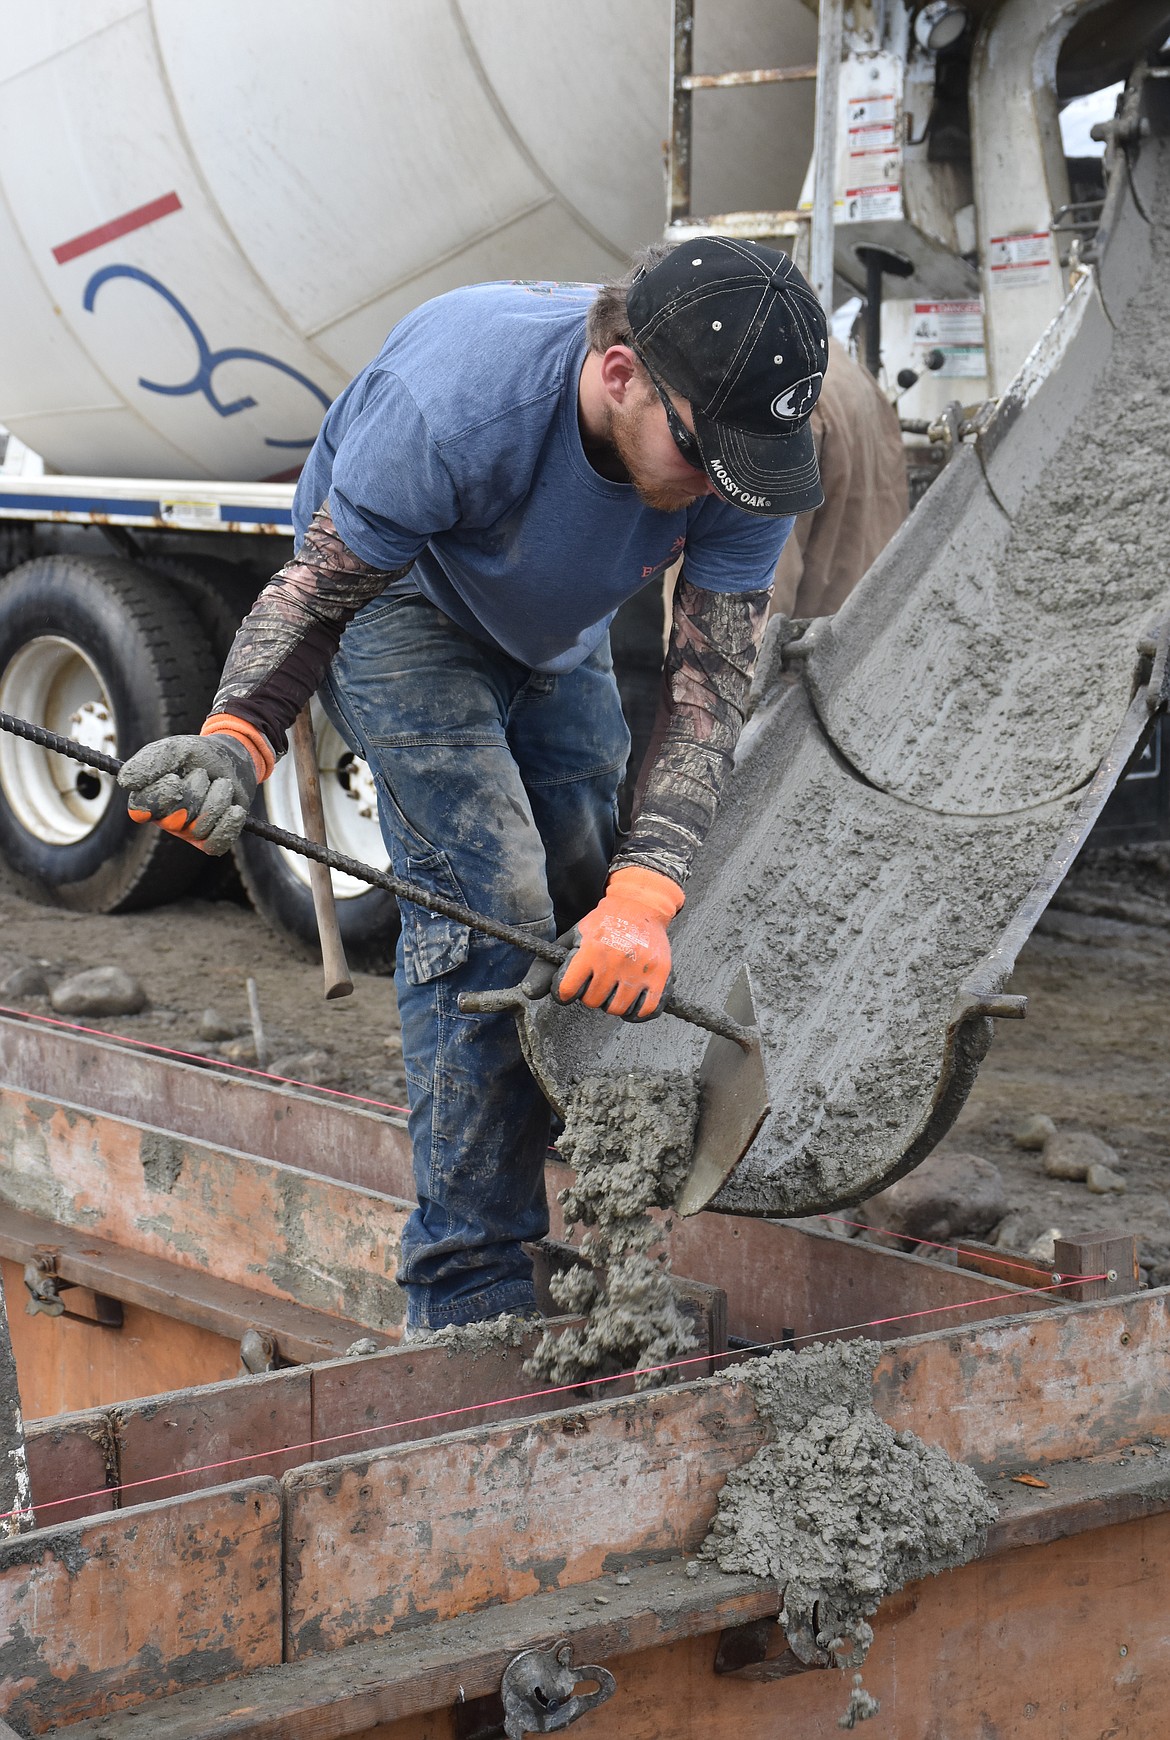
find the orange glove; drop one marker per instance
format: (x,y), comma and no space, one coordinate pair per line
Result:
(199,788)
(622,959)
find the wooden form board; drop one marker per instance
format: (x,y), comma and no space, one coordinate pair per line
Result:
(139,1604)
(250,1222)
(178,1301)
(810,1279)
(970,1656)
(65,1365)
(404,1395)
(638,1475)
(368,1402)
(341,1138)
(976,1644)
(383,1546)
(1070,1382)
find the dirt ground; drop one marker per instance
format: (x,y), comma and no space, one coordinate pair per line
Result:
(1093,1053)
(196,955)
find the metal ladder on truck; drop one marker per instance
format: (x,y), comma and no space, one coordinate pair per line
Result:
(811,232)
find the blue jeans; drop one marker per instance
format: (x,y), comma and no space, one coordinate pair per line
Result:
(497,786)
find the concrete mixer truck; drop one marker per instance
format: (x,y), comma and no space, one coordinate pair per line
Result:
(210,217)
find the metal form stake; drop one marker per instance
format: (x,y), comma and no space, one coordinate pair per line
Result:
(829,42)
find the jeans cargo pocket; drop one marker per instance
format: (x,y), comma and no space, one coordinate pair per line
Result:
(432,945)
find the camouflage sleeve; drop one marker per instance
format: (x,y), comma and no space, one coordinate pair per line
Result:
(714,639)
(284,645)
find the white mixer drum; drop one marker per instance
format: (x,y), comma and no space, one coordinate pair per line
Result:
(211,215)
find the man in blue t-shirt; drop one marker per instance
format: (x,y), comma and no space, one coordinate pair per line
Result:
(518,461)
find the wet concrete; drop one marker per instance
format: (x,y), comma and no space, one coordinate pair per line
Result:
(629,1137)
(492,1335)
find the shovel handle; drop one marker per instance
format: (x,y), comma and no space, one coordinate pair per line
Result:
(333,963)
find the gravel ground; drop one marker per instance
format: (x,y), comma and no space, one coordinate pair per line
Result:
(1093,1053)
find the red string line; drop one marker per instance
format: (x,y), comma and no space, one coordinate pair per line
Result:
(911,1238)
(201,1058)
(535,1395)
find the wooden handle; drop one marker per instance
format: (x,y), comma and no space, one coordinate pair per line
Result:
(304,753)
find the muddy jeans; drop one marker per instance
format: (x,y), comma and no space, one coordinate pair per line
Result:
(497,787)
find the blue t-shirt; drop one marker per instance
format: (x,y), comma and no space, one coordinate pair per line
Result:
(458,449)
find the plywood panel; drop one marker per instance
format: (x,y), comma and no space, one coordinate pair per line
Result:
(1028,1646)
(429,1387)
(63,1366)
(72,1459)
(99,1615)
(427,1531)
(290,1234)
(337,1137)
(423,1532)
(1077,1381)
(1066,1640)
(228,1430)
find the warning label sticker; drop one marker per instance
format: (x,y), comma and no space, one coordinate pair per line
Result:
(955,328)
(874,109)
(873,165)
(863,204)
(1021,259)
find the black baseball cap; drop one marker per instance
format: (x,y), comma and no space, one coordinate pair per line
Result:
(735,329)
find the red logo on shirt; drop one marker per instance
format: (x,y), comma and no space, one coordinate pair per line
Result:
(676,550)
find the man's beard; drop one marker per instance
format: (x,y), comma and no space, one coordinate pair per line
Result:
(622,432)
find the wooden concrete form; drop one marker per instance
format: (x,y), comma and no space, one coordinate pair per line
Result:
(224,1131)
(90,1461)
(957,1658)
(341,1137)
(247,1220)
(98,1614)
(415,1571)
(358,1546)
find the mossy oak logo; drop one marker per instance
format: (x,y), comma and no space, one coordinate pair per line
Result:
(798,400)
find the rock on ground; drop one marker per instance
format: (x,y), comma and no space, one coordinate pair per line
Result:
(1034,1131)
(1070,1153)
(314,1067)
(948,1196)
(99,991)
(1104,1181)
(27,981)
(1019,1230)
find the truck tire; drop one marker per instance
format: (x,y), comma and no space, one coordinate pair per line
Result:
(277,882)
(94,649)
(219,593)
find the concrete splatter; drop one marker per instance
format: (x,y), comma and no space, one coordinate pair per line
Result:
(490,1335)
(839,1509)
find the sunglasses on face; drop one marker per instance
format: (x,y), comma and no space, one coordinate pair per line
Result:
(681,435)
